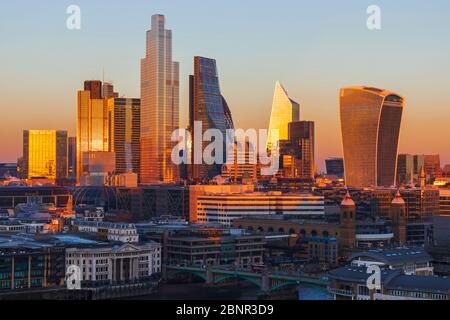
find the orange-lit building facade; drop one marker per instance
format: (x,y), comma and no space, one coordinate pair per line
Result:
(159,105)
(124,133)
(92,122)
(370,124)
(44,154)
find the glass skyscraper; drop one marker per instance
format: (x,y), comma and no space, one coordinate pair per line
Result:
(92,122)
(124,118)
(370,124)
(44,154)
(159,105)
(284,111)
(208,106)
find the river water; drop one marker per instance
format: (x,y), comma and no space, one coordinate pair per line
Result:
(238,291)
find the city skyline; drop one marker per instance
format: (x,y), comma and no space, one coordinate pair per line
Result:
(411,66)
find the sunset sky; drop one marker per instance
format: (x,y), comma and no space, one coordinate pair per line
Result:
(312,47)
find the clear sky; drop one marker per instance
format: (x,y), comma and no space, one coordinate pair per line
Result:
(312,47)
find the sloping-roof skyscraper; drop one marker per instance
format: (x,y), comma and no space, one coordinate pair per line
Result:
(370,124)
(284,111)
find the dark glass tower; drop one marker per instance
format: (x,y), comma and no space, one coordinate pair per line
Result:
(208,106)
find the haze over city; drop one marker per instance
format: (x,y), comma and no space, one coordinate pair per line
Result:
(313,49)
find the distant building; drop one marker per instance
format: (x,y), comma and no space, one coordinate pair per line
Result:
(10,197)
(284,111)
(335,167)
(72,159)
(108,91)
(44,154)
(8,170)
(224,208)
(432,165)
(119,232)
(244,168)
(370,123)
(409,168)
(97,168)
(297,156)
(124,120)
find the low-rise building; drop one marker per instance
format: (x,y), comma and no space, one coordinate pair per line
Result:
(116,263)
(120,232)
(412,261)
(350,283)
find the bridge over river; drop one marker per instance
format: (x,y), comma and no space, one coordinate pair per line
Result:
(268,280)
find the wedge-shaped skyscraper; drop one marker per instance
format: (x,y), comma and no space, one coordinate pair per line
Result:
(284,111)
(370,124)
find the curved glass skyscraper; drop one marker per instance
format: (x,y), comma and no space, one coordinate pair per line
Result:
(208,106)
(370,123)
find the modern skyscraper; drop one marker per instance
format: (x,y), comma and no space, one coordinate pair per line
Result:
(301,135)
(92,122)
(124,118)
(335,167)
(72,159)
(208,106)
(370,123)
(159,105)
(284,111)
(44,154)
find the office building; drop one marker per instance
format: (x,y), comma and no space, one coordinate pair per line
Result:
(44,154)
(208,106)
(244,168)
(409,168)
(432,166)
(335,167)
(159,105)
(350,283)
(92,123)
(224,208)
(301,136)
(25,266)
(370,123)
(98,166)
(108,91)
(284,111)
(124,118)
(72,159)
(113,264)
